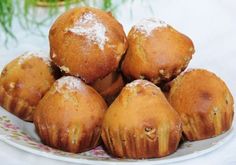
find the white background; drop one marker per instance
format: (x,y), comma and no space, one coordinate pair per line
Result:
(210,24)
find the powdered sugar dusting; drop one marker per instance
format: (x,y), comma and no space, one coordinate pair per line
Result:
(90,27)
(146,26)
(28,55)
(139,82)
(68,82)
(25,57)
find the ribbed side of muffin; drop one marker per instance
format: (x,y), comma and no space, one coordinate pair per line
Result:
(70,139)
(140,123)
(23,82)
(204,103)
(69,117)
(200,126)
(130,144)
(15,105)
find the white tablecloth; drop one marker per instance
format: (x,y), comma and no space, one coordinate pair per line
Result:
(210,24)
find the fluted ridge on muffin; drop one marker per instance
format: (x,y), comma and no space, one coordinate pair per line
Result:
(16,106)
(137,131)
(212,112)
(67,139)
(140,146)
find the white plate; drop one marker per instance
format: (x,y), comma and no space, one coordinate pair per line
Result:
(22,135)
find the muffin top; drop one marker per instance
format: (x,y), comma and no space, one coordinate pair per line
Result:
(199,91)
(156,52)
(141,106)
(28,78)
(87,42)
(71,101)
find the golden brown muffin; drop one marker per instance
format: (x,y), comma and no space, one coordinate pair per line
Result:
(87,43)
(110,86)
(23,82)
(156,52)
(69,117)
(140,123)
(203,102)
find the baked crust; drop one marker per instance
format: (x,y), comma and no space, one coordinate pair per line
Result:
(157,54)
(140,123)
(204,103)
(110,86)
(69,117)
(23,82)
(87,43)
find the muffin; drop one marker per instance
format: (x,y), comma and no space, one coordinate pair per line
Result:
(203,102)
(23,82)
(110,86)
(157,52)
(87,43)
(140,123)
(69,117)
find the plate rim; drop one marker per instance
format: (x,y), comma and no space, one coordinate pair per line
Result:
(52,156)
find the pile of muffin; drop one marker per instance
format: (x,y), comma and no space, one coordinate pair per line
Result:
(80,95)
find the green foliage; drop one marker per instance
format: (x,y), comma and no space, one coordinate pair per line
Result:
(6,16)
(25,12)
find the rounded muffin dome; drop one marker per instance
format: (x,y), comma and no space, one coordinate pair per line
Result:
(157,52)
(203,102)
(87,43)
(23,83)
(140,123)
(69,117)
